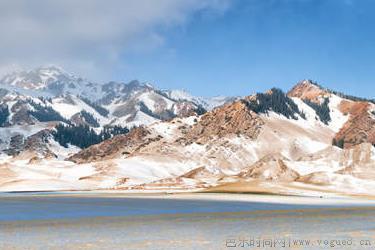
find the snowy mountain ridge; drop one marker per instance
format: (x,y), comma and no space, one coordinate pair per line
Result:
(52,81)
(208,103)
(310,140)
(113,103)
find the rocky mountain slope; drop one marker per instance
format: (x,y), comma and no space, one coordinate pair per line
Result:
(360,126)
(310,140)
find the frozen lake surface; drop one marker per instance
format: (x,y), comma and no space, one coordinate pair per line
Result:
(194,221)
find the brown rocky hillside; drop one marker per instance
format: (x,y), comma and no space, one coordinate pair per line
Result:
(120,145)
(308,90)
(361,124)
(231,119)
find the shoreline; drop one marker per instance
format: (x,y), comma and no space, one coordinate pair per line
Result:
(199,195)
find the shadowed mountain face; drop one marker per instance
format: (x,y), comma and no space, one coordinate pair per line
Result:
(310,138)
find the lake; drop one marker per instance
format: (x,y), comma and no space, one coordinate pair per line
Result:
(191,221)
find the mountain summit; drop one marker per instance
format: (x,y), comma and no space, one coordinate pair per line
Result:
(38,78)
(51,81)
(309,90)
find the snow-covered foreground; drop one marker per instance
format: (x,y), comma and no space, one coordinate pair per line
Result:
(299,161)
(137,175)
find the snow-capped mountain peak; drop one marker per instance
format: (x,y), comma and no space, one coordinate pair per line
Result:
(66,96)
(50,81)
(206,102)
(38,78)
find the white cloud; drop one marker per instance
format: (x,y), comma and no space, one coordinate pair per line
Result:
(87,36)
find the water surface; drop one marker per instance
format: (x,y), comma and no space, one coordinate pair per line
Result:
(97,221)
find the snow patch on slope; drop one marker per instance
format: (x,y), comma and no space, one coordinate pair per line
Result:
(338,119)
(141,119)
(66,110)
(69,105)
(309,112)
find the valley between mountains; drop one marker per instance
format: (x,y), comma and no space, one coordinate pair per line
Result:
(62,132)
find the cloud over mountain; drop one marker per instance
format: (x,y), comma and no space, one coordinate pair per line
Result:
(87,35)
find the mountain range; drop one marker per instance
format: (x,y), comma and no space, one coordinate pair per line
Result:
(62,132)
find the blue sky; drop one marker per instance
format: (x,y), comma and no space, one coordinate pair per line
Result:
(257,44)
(208,47)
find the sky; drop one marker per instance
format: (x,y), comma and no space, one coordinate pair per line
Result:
(207,47)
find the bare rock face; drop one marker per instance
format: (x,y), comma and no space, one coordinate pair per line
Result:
(77,119)
(270,168)
(231,119)
(39,143)
(308,90)
(21,114)
(185,109)
(359,128)
(35,144)
(16,145)
(120,145)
